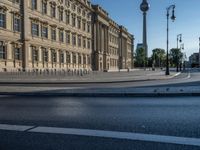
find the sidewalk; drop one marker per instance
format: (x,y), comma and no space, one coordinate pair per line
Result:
(30,90)
(110,77)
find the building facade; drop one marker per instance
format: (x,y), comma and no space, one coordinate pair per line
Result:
(10,36)
(61,35)
(194,60)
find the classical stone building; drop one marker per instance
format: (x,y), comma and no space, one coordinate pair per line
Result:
(112,44)
(48,35)
(10,36)
(100,27)
(114,37)
(61,35)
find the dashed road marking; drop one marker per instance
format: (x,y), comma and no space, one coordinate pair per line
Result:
(14,127)
(105,134)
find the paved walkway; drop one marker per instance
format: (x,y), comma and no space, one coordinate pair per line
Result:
(94,77)
(83,91)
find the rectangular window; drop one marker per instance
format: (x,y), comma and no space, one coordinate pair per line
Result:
(17,24)
(84,26)
(2,20)
(89,60)
(45,55)
(54,56)
(68,38)
(61,36)
(35,54)
(73,21)
(88,44)
(17,53)
(60,15)
(83,13)
(2,52)
(88,28)
(67,18)
(74,58)
(61,57)
(79,24)
(74,40)
(79,59)
(79,41)
(73,7)
(53,11)
(84,43)
(84,60)
(34,4)
(35,29)
(44,7)
(44,31)
(68,58)
(53,34)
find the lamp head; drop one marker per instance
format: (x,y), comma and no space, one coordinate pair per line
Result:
(183,47)
(173,17)
(144,6)
(180,39)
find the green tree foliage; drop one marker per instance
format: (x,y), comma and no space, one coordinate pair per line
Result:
(176,57)
(140,58)
(158,57)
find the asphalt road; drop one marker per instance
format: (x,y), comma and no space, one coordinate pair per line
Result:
(170,116)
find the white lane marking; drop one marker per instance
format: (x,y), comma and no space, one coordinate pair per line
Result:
(14,127)
(105,134)
(177,74)
(189,75)
(119,135)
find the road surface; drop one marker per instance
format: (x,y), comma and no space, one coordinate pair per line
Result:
(52,123)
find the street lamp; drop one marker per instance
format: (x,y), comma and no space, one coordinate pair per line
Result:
(173,19)
(144,7)
(179,40)
(182,58)
(199,52)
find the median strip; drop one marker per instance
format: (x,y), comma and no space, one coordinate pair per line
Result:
(104,134)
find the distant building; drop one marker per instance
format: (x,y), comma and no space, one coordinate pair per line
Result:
(139,45)
(194,60)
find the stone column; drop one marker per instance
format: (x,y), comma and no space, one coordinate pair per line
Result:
(25,28)
(40,54)
(10,51)
(71,56)
(65,57)
(81,60)
(86,57)
(77,60)
(58,56)
(100,38)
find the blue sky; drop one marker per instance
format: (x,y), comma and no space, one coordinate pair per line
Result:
(127,13)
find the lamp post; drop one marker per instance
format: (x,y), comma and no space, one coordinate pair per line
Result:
(181,62)
(179,40)
(199,52)
(144,7)
(173,19)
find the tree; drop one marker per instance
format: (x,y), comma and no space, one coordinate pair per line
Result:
(140,57)
(158,57)
(176,57)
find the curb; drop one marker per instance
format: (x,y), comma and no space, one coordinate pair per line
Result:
(90,82)
(39,94)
